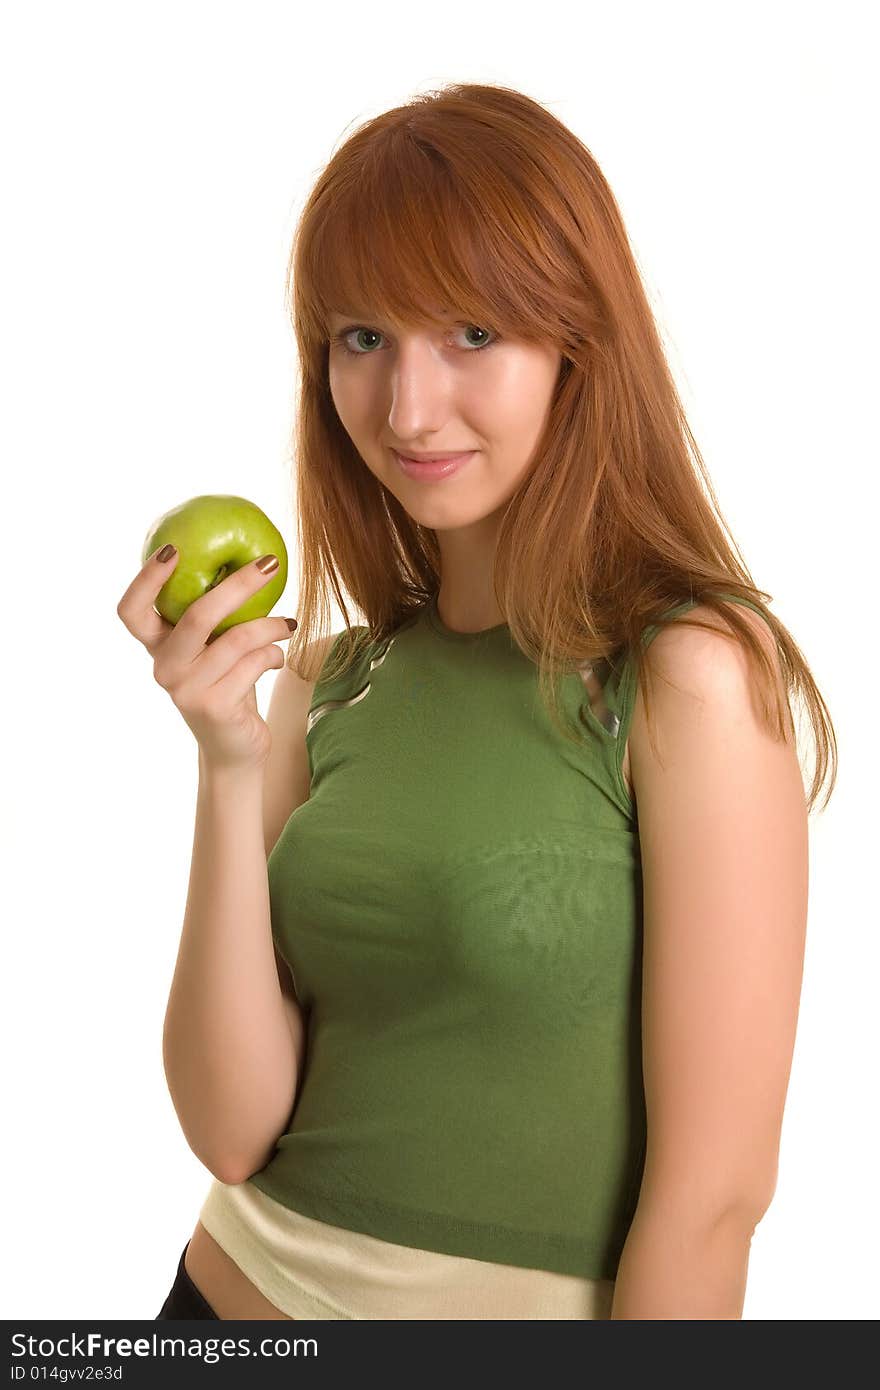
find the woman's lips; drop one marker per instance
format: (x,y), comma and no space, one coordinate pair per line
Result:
(428,469)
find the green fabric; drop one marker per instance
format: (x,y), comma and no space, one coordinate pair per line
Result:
(459,901)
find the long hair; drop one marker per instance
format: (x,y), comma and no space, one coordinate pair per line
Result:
(478,197)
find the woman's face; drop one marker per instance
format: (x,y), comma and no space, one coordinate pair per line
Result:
(439,390)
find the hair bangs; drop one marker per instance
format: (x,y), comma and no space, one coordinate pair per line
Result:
(407,243)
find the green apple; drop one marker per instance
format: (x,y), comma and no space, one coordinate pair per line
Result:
(215,535)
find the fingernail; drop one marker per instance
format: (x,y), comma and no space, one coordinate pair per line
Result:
(292,623)
(165,553)
(267,564)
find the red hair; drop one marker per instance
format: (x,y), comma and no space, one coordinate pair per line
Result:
(477,197)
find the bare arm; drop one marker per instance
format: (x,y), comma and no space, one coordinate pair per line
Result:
(677,1265)
(234,1038)
(723,829)
(228,1048)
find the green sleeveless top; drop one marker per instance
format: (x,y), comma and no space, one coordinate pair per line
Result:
(459,901)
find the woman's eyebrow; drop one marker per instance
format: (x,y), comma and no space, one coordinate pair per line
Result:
(373,318)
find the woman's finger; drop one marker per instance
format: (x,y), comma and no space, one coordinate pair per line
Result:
(136,609)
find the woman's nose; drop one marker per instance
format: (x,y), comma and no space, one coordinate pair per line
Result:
(419,389)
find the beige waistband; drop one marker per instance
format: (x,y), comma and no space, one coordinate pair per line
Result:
(310,1269)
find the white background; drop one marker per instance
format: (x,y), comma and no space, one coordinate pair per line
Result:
(155,157)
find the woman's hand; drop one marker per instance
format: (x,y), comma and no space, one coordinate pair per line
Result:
(211,680)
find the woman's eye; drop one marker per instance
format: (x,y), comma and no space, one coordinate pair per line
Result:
(484,331)
(364,334)
(361,334)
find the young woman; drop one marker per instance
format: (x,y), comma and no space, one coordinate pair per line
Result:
(488,981)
